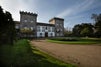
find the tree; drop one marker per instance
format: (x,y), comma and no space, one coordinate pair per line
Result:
(2,23)
(77,29)
(84,29)
(87,29)
(97,24)
(7,28)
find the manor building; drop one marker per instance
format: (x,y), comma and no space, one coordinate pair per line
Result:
(29,27)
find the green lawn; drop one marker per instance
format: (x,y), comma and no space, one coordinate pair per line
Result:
(81,41)
(21,54)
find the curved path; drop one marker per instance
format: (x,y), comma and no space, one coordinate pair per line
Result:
(81,55)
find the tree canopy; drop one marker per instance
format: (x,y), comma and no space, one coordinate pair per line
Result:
(7,27)
(84,29)
(97,24)
(88,29)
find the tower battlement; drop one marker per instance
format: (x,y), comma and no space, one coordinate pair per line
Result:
(28,13)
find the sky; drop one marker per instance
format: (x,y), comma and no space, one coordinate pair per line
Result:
(73,11)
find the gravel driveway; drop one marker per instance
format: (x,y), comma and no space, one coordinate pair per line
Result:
(81,55)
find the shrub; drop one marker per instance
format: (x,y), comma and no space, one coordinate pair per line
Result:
(65,39)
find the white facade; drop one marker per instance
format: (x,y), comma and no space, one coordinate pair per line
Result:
(45,31)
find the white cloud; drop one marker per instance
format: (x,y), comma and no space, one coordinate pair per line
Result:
(75,9)
(14,6)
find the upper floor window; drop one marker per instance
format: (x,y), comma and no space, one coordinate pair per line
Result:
(31,21)
(53,29)
(46,27)
(25,20)
(49,28)
(61,25)
(43,29)
(38,29)
(57,24)
(60,29)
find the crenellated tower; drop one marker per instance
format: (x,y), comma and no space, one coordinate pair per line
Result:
(28,23)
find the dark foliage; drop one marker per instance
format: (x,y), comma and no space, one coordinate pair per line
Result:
(64,39)
(84,29)
(7,27)
(97,25)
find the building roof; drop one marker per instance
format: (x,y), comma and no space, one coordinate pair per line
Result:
(56,18)
(44,24)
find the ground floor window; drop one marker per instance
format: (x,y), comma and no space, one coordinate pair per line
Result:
(51,34)
(40,34)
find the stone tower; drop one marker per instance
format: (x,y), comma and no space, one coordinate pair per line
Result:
(28,21)
(59,26)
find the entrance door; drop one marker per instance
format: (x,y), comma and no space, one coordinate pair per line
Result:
(46,34)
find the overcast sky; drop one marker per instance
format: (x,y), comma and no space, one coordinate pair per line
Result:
(73,11)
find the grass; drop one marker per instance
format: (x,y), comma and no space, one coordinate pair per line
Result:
(49,61)
(81,41)
(22,55)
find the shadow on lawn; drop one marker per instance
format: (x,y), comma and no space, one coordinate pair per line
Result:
(21,55)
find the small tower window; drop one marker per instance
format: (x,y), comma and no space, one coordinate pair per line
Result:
(25,20)
(61,25)
(31,21)
(25,27)
(57,24)
(31,28)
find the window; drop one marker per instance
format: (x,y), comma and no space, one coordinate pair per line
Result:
(25,27)
(60,25)
(43,29)
(31,21)
(31,28)
(17,27)
(38,28)
(25,20)
(57,24)
(57,34)
(53,29)
(57,30)
(51,34)
(49,28)
(46,27)
(40,34)
(61,29)
(61,34)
